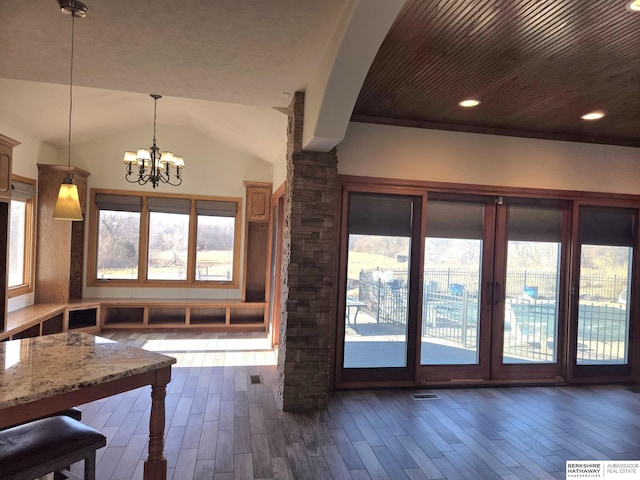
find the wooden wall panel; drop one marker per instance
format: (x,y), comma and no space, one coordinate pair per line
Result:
(6,154)
(58,242)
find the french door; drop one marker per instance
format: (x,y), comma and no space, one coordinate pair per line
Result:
(382,277)
(494,284)
(452,288)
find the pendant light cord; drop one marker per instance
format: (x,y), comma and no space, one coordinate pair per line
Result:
(73,21)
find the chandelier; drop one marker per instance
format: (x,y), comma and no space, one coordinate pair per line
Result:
(153,166)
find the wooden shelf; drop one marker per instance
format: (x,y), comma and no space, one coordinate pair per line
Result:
(150,314)
(94,315)
(47,318)
(214,315)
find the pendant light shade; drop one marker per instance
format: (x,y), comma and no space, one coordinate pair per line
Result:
(68,202)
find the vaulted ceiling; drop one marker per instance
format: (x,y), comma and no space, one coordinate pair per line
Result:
(535,65)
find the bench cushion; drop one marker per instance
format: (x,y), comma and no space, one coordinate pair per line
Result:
(45,440)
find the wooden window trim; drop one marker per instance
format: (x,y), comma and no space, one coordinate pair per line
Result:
(30,243)
(142,281)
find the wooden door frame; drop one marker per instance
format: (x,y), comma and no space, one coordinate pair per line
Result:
(567,323)
(397,376)
(612,373)
(531,371)
(277,200)
(480,371)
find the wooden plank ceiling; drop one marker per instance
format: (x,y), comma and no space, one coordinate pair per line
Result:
(536,67)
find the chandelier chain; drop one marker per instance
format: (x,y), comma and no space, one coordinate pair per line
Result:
(155,110)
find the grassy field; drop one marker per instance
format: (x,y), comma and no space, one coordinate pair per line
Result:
(211,265)
(371,261)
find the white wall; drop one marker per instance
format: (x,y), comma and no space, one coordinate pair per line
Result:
(280,170)
(455,157)
(29,153)
(212,168)
(26,156)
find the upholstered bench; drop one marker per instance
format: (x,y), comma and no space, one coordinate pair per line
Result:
(47,445)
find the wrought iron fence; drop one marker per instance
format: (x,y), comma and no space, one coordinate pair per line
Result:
(605,288)
(450,313)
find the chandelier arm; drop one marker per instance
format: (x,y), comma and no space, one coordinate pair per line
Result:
(174,184)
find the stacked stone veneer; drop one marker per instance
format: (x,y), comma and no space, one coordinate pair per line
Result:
(309,268)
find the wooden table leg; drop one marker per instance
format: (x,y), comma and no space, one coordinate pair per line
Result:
(155,467)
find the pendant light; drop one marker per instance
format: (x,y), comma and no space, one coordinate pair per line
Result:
(68,202)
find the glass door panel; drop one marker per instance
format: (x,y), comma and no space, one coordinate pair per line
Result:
(603,317)
(452,274)
(607,238)
(530,327)
(377,308)
(378,264)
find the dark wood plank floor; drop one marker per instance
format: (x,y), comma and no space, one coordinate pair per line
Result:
(222,426)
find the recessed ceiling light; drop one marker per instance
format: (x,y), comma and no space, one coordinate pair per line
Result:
(470,102)
(592,116)
(634,6)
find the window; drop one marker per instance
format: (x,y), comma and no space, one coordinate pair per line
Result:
(379,257)
(160,240)
(168,238)
(21,237)
(118,236)
(216,234)
(607,239)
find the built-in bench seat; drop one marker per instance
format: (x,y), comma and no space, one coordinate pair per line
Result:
(28,321)
(95,315)
(202,314)
(46,318)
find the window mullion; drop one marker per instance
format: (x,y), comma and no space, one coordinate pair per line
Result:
(191,254)
(27,272)
(143,258)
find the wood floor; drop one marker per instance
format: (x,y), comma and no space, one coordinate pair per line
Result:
(222,426)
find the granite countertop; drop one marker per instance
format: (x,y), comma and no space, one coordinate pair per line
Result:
(40,367)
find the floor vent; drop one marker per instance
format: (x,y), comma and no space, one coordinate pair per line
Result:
(425,396)
(254,379)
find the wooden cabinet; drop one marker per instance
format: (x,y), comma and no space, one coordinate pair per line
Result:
(256,241)
(6,156)
(258,201)
(60,243)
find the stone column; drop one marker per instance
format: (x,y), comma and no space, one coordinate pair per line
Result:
(309,271)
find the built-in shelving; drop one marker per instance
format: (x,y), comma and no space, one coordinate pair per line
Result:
(48,318)
(182,314)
